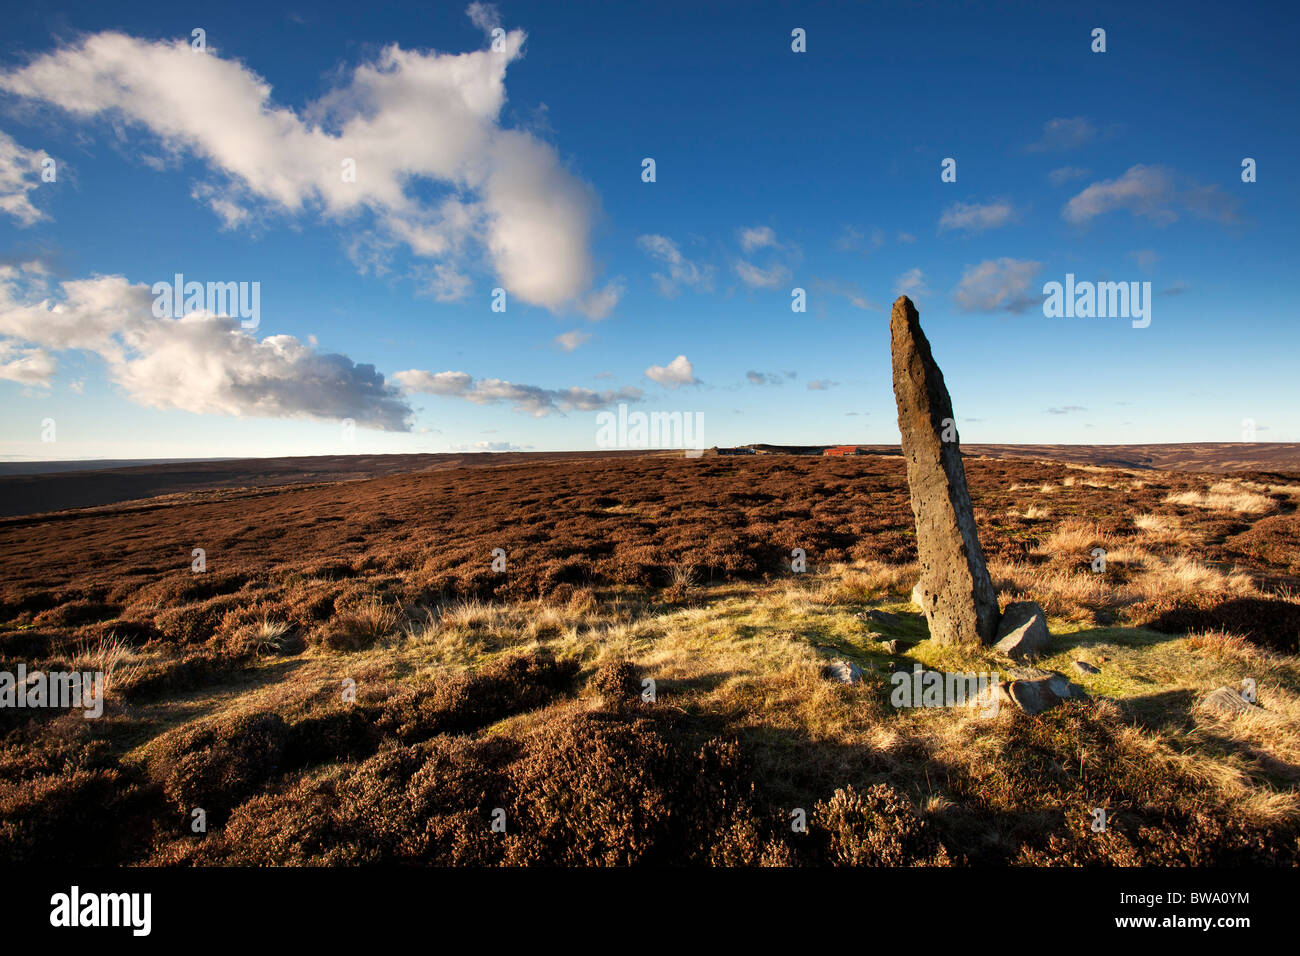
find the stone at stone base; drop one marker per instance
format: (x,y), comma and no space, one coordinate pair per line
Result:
(961,606)
(1226,702)
(1022,632)
(1034,696)
(1065,688)
(1083,667)
(846,672)
(1035,690)
(918,596)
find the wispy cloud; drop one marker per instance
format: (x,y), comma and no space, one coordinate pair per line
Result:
(681,271)
(571,340)
(491,446)
(848,290)
(600,303)
(20,174)
(533,399)
(997,285)
(770,278)
(1065,174)
(769,378)
(1153,193)
(976,217)
(852,239)
(911,283)
(758,237)
(1063,133)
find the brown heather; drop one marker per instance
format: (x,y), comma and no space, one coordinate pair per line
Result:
(522,691)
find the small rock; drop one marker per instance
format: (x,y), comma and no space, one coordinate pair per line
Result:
(846,672)
(1022,631)
(881,617)
(1065,688)
(1083,667)
(1034,696)
(1226,702)
(893,647)
(918,596)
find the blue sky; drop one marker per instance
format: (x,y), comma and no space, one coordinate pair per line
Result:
(521,168)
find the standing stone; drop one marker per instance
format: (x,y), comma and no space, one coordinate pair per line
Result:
(957,593)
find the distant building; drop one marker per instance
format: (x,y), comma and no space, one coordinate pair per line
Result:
(843,450)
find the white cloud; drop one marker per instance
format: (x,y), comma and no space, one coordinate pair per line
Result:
(30,366)
(681,271)
(1145,258)
(676,373)
(1064,133)
(758,237)
(485,16)
(769,378)
(1065,173)
(20,173)
(976,217)
(491,446)
(911,283)
(758,278)
(1153,193)
(446,283)
(997,284)
(600,303)
(571,340)
(533,399)
(1144,191)
(849,290)
(407,117)
(852,239)
(200,363)
(821,385)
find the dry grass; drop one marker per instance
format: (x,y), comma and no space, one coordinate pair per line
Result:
(1162,529)
(111,656)
(1225,496)
(360,627)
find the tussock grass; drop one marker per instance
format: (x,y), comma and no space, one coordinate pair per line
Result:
(1225,496)
(112,656)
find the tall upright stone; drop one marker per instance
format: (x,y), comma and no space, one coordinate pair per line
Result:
(955,589)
